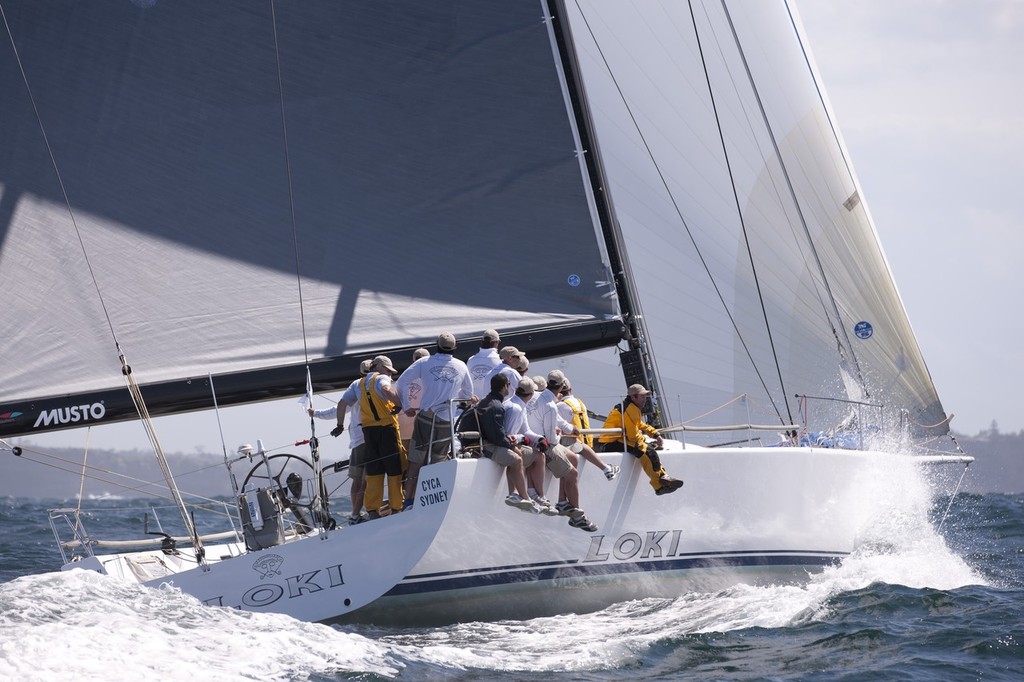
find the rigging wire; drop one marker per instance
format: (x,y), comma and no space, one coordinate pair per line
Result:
(133,389)
(85,459)
(313,441)
(678,210)
(56,172)
(775,188)
(796,203)
(288,170)
(739,211)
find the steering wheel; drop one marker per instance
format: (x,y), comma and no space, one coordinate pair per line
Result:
(291,478)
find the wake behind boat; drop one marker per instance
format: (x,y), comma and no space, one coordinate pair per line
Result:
(640,194)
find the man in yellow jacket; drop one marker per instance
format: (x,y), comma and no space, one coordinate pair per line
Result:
(631,410)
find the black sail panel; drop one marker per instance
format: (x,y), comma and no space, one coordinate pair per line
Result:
(423,176)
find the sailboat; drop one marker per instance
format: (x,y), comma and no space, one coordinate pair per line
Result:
(212,204)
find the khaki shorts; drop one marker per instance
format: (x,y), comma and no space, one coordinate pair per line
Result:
(573,443)
(356,466)
(421,437)
(529,455)
(558,461)
(499,455)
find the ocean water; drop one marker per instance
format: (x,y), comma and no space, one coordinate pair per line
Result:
(907,606)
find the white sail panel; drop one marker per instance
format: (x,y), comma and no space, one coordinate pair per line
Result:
(747,235)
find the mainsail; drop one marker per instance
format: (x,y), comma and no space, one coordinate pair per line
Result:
(758,265)
(240,189)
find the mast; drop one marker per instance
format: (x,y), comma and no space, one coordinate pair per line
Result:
(637,362)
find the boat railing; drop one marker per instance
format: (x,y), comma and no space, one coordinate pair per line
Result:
(70,533)
(862,419)
(75,543)
(682,429)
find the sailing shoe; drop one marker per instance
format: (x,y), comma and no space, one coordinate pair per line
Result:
(544,506)
(668,485)
(517,501)
(612,472)
(372,514)
(566,509)
(583,523)
(356,520)
(406,504)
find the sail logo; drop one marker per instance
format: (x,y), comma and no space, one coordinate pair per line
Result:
(863,330)
(71,415)
(8,416)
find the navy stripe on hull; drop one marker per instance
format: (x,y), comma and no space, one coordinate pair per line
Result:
(508,575)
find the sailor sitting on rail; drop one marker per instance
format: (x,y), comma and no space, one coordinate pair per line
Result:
(630,413)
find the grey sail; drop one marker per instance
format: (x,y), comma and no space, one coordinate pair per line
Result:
(758,267)
(415,168)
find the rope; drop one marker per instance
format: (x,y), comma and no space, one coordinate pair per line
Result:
(85,459)
(953,498)
(736,198)
(288,169)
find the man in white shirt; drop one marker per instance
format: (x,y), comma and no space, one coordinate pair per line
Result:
(410,400)
(561,462)
(511,357)
(445,378)
(356,466)
(481,363)
(533,459)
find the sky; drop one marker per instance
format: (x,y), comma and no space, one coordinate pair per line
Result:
(927,95)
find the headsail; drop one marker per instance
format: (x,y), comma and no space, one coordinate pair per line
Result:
(434,174)
(759,267)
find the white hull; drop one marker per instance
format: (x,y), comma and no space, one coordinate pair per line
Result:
(750,515)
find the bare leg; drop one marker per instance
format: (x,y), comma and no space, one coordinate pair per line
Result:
(517,479)
(591,456)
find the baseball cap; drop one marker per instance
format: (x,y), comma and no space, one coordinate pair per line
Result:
(446,341)
(507,352)
(637,389)
(556,378)
(384,362)
(490,336)
(525,386)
